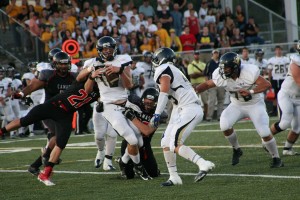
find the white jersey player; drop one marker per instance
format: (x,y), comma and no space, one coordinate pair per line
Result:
(261,62)
(186,114)
(289,105)
(138,80)
(148,70)
(245,86)
(113,79)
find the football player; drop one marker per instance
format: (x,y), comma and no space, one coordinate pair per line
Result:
(59,108)
(113,77)
(261,62)
(245,85)
(138,79)
(186,114)
(289,105)
(245,57)
(146,104)
(277,70)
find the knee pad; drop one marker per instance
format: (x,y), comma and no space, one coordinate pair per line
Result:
(224,125)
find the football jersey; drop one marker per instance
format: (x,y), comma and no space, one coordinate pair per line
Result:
(248,61)
(42,66)
(16,84)
(75,97)
(279,66)
(181,92)
(289,86)
(248,75)
(148,73)
(136,74)
(110,93)
(261,65)
(4,85)
(28,76)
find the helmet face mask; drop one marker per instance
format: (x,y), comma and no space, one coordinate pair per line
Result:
(107,48)
(163,55)
(150,98)
(10,71)
(2,72)
(62,63)
(32,66)
(229,66)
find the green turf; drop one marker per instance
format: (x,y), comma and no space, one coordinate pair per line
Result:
(250,179)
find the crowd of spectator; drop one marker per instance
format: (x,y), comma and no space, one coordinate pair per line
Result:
(137,28)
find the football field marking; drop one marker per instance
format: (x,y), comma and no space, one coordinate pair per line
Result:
(183,174)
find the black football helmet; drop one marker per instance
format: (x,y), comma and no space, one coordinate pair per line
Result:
(51,54)
(150,94)
(32,66)
(62,62)
(230,60)
(107,42)
(10,71)
(259,52)
(163,55)
(2,72)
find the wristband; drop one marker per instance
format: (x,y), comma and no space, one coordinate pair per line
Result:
(21,94)
(251,91)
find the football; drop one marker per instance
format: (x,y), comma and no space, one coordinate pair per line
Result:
(112,79)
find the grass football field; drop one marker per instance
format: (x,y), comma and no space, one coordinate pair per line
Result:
(77,178)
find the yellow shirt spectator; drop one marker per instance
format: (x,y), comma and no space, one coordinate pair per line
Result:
(13,10)
(69,24)
(196,69)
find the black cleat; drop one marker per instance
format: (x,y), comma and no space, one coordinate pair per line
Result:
(34,171)
(237,153)
(276,163)
(122,167)
(200,176)
(167,183)
(141,172)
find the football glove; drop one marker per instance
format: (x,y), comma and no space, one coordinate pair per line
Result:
(129,114)
(18,95)
(154,122)
(99,107)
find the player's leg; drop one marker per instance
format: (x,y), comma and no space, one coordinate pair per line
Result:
(229,117)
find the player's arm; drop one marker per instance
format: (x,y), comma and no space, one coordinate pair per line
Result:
(145,129)
(126,78)
(90,81)
(205,86)
(295,70)
(142,81)
(84,73)
(34,85)
(261,85)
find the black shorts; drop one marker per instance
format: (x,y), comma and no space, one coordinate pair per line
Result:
(62,121)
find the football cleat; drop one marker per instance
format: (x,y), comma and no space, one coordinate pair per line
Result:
(237,153)
(107,165)
(99,158)
(172,181)
(205,167)
(44,176)
(276,163)
(122,167)
(34,171)
(141,172)
(289,152)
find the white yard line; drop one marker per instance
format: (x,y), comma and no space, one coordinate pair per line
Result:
(183,174)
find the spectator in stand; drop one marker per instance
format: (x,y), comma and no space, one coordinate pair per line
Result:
(157,43)
(37,7)
(132,25)
(251,32)
(68,36)
(147,9)
(121,28)
(188,42)
(110,20)
(90,28)
(55,41)
(115,33)
(124,46)
(203,8)
(80,39)
(95,11)
(175,43)
(165,18)
(215,95)
(146,46)
(163,34)
(56,18)
(216,9)
(151,28)
(245,57)
(89,52)
(177,19)
(205,39)
(193,24)
(240,18)
(181,4)
(45,37)
(92,39)
(133,35)
(187,13)
(223,40)
(142,32)
(294,48)
(160,4)
(229,24)
(237,39)
(142,19)
(34,24)
(134,48)
(223,16)
(96,23)
(126,11)
(210,21)
(67,21)
(103,25)
(21,18)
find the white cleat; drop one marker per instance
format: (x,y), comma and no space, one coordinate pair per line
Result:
(107,165)
(173,180)
(205,167)
(99,158)
(289,152)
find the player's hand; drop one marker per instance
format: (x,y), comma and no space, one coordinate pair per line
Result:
(28,101)
(154,122)
(17,95)
(111,70)
(244,92)
(129,114)
(99,107)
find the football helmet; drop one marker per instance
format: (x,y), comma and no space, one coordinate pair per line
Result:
(62,62)
(10,71)
(2,72)
(163,55)
(149,98)
(32,66)
(51,54)
(111,45)
(259,52)
(232,62)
